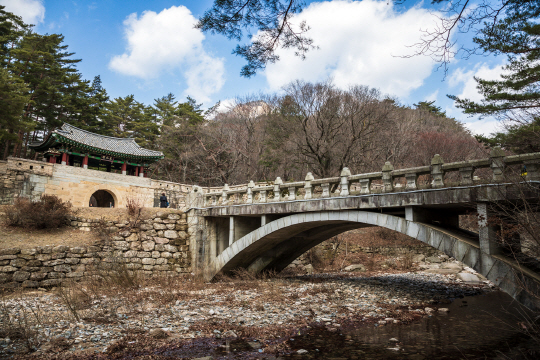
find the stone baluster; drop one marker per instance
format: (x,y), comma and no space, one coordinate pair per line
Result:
(292,193)
(533,170)
(224,195)
(250,187)
(497,163)
(214,199)
(262,194)
(365,186)
(277,190)
(412,181)
(466,175)
(325,190)
(437,173)
(345,173)
(307,186)
(387,178)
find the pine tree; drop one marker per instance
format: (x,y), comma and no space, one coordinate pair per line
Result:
(515,98)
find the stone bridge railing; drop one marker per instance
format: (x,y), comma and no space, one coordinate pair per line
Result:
(386,180)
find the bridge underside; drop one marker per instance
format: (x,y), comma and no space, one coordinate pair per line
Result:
(260,246)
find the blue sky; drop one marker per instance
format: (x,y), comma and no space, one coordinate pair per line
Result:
(150,48)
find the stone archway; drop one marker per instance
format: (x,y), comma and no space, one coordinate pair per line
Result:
(102,198)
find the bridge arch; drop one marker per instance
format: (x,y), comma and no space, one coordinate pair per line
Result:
(278,243)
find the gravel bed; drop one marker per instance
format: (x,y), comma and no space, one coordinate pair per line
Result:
(221,309)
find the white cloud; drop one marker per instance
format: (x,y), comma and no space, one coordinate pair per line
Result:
(465,79)
(359,43)
(433,96)
(167,41)
(32,11)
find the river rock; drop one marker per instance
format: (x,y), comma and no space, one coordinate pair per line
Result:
(468,278)
(355,267)
(433,259)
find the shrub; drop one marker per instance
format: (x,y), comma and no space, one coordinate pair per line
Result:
(47,212)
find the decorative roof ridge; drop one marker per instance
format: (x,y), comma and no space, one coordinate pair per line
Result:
(91,133)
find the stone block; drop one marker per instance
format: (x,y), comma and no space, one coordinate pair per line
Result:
(148,268)
(130,254)
(31,268)
(121,245)
(10,285)
(148,261)
(136,245)
(161,261)
(8,268)
(72,255)
(133,266)
(8,257)
(26,257)
(166,255)
(4,262)
(156,254)
(148,245)
(171,226)
(170,234)
(50,282)
(38,276)
(43,257)
(168,221)
(87,261)
(125,233)
(28,251)
(146,227)
(60,249)
(162,267)
(159,240)
(62,268)
(181,227)
(144,254)
(10,251)
(72,261)
(30,284)
(20,276)
(133,237)
(75,274)
(182,235)
(78,250)
(54,262)
(151,233)
(158,226)
(59,255)
(173,216)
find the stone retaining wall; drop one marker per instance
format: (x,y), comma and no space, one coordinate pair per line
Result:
(158,246)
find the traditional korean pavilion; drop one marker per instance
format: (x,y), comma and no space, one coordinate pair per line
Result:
(70,145)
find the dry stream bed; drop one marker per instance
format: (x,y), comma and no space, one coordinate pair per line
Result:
(232,318)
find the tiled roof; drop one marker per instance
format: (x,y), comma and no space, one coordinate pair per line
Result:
(126,146)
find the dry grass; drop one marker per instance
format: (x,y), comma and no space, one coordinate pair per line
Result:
(27,238)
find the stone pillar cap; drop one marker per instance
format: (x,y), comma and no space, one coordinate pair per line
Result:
(388,166)
(278,181)
(497,152)
(226,187)
(309,177)
(345,172)
(437,160)
(251,184)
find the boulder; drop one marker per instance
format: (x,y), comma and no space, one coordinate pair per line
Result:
(355,267)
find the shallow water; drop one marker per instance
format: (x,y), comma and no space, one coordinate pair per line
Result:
(477,327)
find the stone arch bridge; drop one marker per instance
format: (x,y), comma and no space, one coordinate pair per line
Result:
(266,226)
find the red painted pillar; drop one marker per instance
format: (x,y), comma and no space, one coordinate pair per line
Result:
(136,171)
(85,162)
(141,171)
(64,158)
(124,168)
(52,160)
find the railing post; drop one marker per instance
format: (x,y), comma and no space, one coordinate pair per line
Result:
(250,187)
(325,190)
(277,191)
(387,178)
(466,175)
(307,186)
(292,193)
(345,173)
(365,186)
(214,199)
(224,195)
(533,170)
(412,181)
(263,196)
(497,163)
(437,172)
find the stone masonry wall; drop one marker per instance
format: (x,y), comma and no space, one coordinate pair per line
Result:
(158,246)
(31,179)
